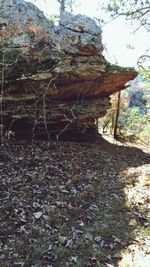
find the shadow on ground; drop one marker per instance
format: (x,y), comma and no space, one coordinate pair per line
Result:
(66,205)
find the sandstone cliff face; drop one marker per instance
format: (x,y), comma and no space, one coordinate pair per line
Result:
(53,78)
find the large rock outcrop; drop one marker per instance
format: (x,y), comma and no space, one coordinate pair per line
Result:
(53,78)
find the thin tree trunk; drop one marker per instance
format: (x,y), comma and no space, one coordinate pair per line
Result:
(117,115)
(62,6)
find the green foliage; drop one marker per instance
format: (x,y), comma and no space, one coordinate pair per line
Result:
(133,122)
(144,66)
(138,10)
(135,117)
(132,119)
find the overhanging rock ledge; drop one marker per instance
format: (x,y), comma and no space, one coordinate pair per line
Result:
(54,78)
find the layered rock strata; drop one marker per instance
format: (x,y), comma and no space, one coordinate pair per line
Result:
(53,78)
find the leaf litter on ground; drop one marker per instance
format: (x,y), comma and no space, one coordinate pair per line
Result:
(77,204)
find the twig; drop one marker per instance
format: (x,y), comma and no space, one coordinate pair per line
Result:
(44,106)
(2,90)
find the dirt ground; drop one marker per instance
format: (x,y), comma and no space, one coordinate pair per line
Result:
(74,204)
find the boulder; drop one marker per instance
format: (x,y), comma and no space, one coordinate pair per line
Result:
(53,78)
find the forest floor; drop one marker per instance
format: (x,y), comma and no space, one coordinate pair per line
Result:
(75,204)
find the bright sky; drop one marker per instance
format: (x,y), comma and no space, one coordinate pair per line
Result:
(116,35)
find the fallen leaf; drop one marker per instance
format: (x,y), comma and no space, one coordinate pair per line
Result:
(37,214)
